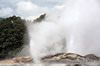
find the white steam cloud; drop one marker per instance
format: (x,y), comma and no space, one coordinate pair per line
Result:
(77,30)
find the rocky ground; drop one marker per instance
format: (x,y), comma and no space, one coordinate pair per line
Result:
(70,57)
(18,60)
(57,58)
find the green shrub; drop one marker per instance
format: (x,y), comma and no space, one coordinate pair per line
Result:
(12,32)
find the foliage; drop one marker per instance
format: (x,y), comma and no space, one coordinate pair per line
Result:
(40,18)
(12,32)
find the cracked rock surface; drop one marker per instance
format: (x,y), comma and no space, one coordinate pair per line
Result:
(57,58)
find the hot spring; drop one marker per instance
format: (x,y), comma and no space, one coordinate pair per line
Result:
(77,30)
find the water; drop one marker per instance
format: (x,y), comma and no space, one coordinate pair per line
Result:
(77,30)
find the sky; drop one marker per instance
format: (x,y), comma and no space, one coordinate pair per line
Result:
(29,8)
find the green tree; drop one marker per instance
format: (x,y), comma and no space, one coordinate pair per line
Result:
(40,18)
(12,32)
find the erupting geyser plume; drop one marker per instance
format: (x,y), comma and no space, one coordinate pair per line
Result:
(76,31)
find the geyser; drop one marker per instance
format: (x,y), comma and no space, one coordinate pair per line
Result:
(76,31)
(82,18)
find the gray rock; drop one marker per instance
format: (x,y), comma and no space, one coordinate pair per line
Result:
(92,57)
(63,57)
(70,58)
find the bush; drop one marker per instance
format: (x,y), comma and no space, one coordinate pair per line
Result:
(12,32)
(40,18)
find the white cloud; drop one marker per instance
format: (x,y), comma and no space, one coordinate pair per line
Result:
(59,7)
(6,12)
(27,8)
(55,1)
(30,18)
(53,12)
(56,10)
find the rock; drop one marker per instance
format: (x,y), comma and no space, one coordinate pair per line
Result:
(92,57)
(57,58)
(70,57)
(77,65)
(17,60)
(62,57)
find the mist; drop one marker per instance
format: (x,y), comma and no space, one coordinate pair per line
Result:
(77,30)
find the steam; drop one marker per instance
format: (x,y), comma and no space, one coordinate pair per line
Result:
(82,18)
(77,30)
(46,38)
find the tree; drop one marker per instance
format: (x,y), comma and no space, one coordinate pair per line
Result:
(40,18)
(12,30)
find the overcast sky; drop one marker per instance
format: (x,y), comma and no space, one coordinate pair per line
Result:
(29,8)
